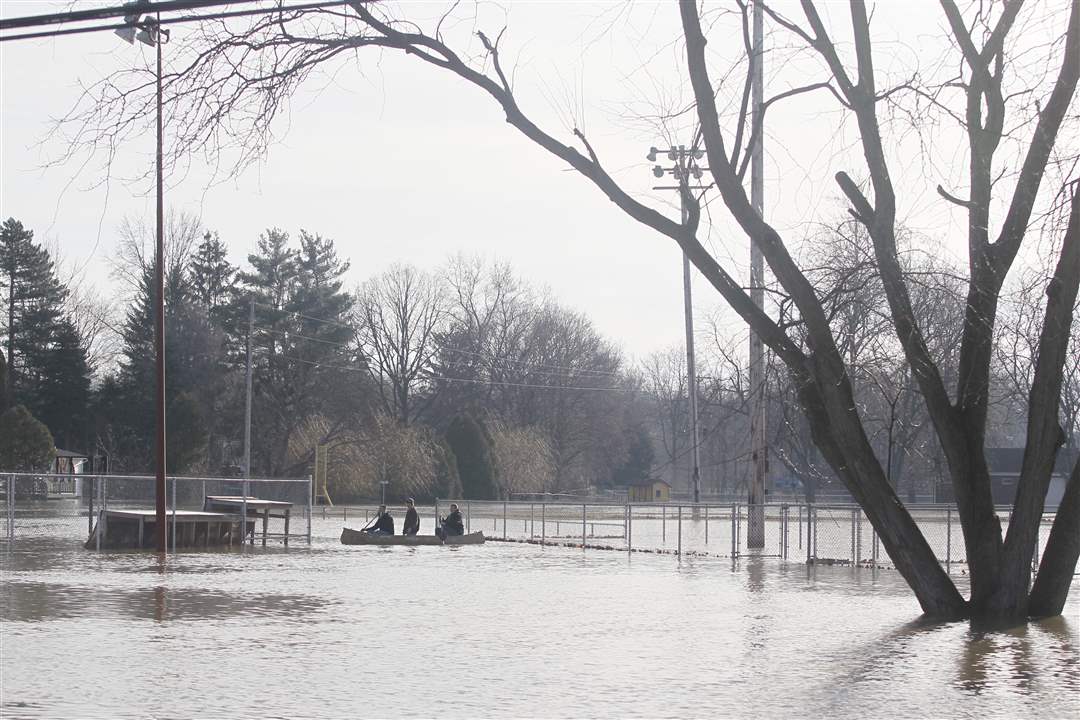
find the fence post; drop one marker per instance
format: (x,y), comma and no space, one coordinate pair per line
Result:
(532,521)
(858,535)
(11,507)
(873,547)
(663,523)
(814,538)
(734,533)
(174,515)
(706,524)
(543,523)
(629,527)
(90,508)
(245,488)
(582,526)
(948,538)
(468,516)
(504,519)
(679,551)
(310,490)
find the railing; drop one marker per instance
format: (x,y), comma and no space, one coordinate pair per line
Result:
(30,508)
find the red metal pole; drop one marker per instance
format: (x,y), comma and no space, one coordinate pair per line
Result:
(159,324)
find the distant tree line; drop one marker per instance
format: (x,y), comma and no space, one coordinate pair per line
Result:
(466,380)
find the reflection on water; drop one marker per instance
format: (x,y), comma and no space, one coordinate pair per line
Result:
(498,630)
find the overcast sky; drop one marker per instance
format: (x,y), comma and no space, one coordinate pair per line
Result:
(397,161)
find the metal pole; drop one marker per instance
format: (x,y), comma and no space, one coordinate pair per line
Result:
(174,514)
(311,489)
(629,527)
(243,516)
(532,521)
(543,522)
(159,323)
(948,538)
(756,527)
(583,526)
(663,523)
(734,532)
(679,551)
(247,397)
(706,524)
(504,519)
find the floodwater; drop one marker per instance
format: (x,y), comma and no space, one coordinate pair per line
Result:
(503,629)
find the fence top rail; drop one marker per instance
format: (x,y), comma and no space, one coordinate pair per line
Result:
(114,476)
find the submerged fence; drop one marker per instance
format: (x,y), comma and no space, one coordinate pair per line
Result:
(821,533)
(824,534)
(41,504)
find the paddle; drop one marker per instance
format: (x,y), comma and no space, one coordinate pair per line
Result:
(370,524)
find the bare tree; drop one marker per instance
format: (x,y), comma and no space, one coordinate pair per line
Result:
(240,78)
(397,316)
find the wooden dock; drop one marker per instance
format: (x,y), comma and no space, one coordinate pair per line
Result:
(218,524)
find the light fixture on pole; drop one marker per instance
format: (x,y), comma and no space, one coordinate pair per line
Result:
(685,167)
(148,30)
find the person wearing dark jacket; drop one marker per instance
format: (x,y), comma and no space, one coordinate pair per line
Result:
(384,523)
(412,519)
(451,524)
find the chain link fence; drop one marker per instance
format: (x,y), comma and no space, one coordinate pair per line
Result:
(826,534)
(46,505)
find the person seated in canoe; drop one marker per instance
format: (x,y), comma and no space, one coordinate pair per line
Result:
(451,524)
(383,525)
(412,519)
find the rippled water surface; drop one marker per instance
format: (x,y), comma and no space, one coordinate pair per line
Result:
(498,630)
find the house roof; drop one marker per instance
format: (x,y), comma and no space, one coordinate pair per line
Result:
(69,454)
(650,483)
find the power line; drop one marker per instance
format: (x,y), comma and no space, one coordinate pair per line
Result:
(103,13)
(465,380)
(175,20)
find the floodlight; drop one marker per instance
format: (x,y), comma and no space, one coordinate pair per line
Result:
(698,154)
(658,171)
(651,157)
(673,154)
(146,36)
(127,34)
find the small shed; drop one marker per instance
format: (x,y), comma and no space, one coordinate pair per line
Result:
(67,462)
(649,491)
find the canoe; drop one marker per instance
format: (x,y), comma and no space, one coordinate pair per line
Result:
(355,537)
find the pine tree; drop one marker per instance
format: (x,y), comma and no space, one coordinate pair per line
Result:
(212,278)
(47,369)
(34,300)
(63,389)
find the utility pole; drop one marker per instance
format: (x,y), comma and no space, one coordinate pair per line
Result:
(755,536)
(684,167)
(148,31)
(247,401)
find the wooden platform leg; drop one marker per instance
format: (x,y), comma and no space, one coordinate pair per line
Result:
(142,523)
(266,524)
(287,513)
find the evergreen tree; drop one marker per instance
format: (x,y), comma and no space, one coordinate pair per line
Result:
(212,277)
(188,354)
(472,447)
(47,368)
(34,300)
(63,389)
(3,383)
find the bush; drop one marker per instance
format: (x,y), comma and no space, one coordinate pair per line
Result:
(26,445)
